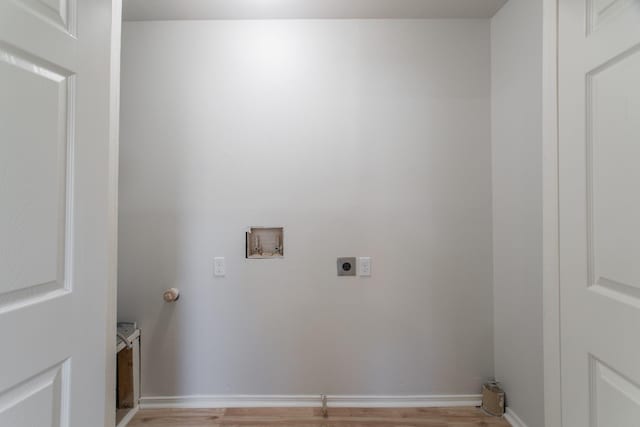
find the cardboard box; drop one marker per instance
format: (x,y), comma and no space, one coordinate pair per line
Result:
(493,399)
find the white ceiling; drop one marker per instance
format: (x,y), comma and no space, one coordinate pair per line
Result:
(146,10)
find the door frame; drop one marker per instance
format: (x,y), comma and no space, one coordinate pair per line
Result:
(550,213)
(112,231)
(550,217)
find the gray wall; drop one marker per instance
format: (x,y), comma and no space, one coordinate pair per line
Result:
(516,43)
(363,138)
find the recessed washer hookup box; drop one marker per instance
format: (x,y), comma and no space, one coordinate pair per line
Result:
(265,242)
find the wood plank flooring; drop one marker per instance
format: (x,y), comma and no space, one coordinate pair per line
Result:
(312,417)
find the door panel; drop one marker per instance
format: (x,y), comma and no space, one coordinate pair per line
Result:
(614,156)
(39,401)
(60,13)
(600,11)
(34,164)
(599,154)
(615,400)
(54,206)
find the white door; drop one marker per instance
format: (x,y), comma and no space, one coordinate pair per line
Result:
(599,159)
(54,140)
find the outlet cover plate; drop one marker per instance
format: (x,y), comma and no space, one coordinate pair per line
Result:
(346,266)
(364,266)
(219,267)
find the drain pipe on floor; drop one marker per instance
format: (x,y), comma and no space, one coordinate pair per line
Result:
(325,409)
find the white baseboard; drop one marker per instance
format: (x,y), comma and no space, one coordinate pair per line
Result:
(291,401)
(513,419)
(127,418)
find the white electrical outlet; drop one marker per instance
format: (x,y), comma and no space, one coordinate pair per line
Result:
(364,266)
(219,267)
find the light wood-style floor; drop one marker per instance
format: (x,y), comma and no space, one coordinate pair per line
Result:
(312,417)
